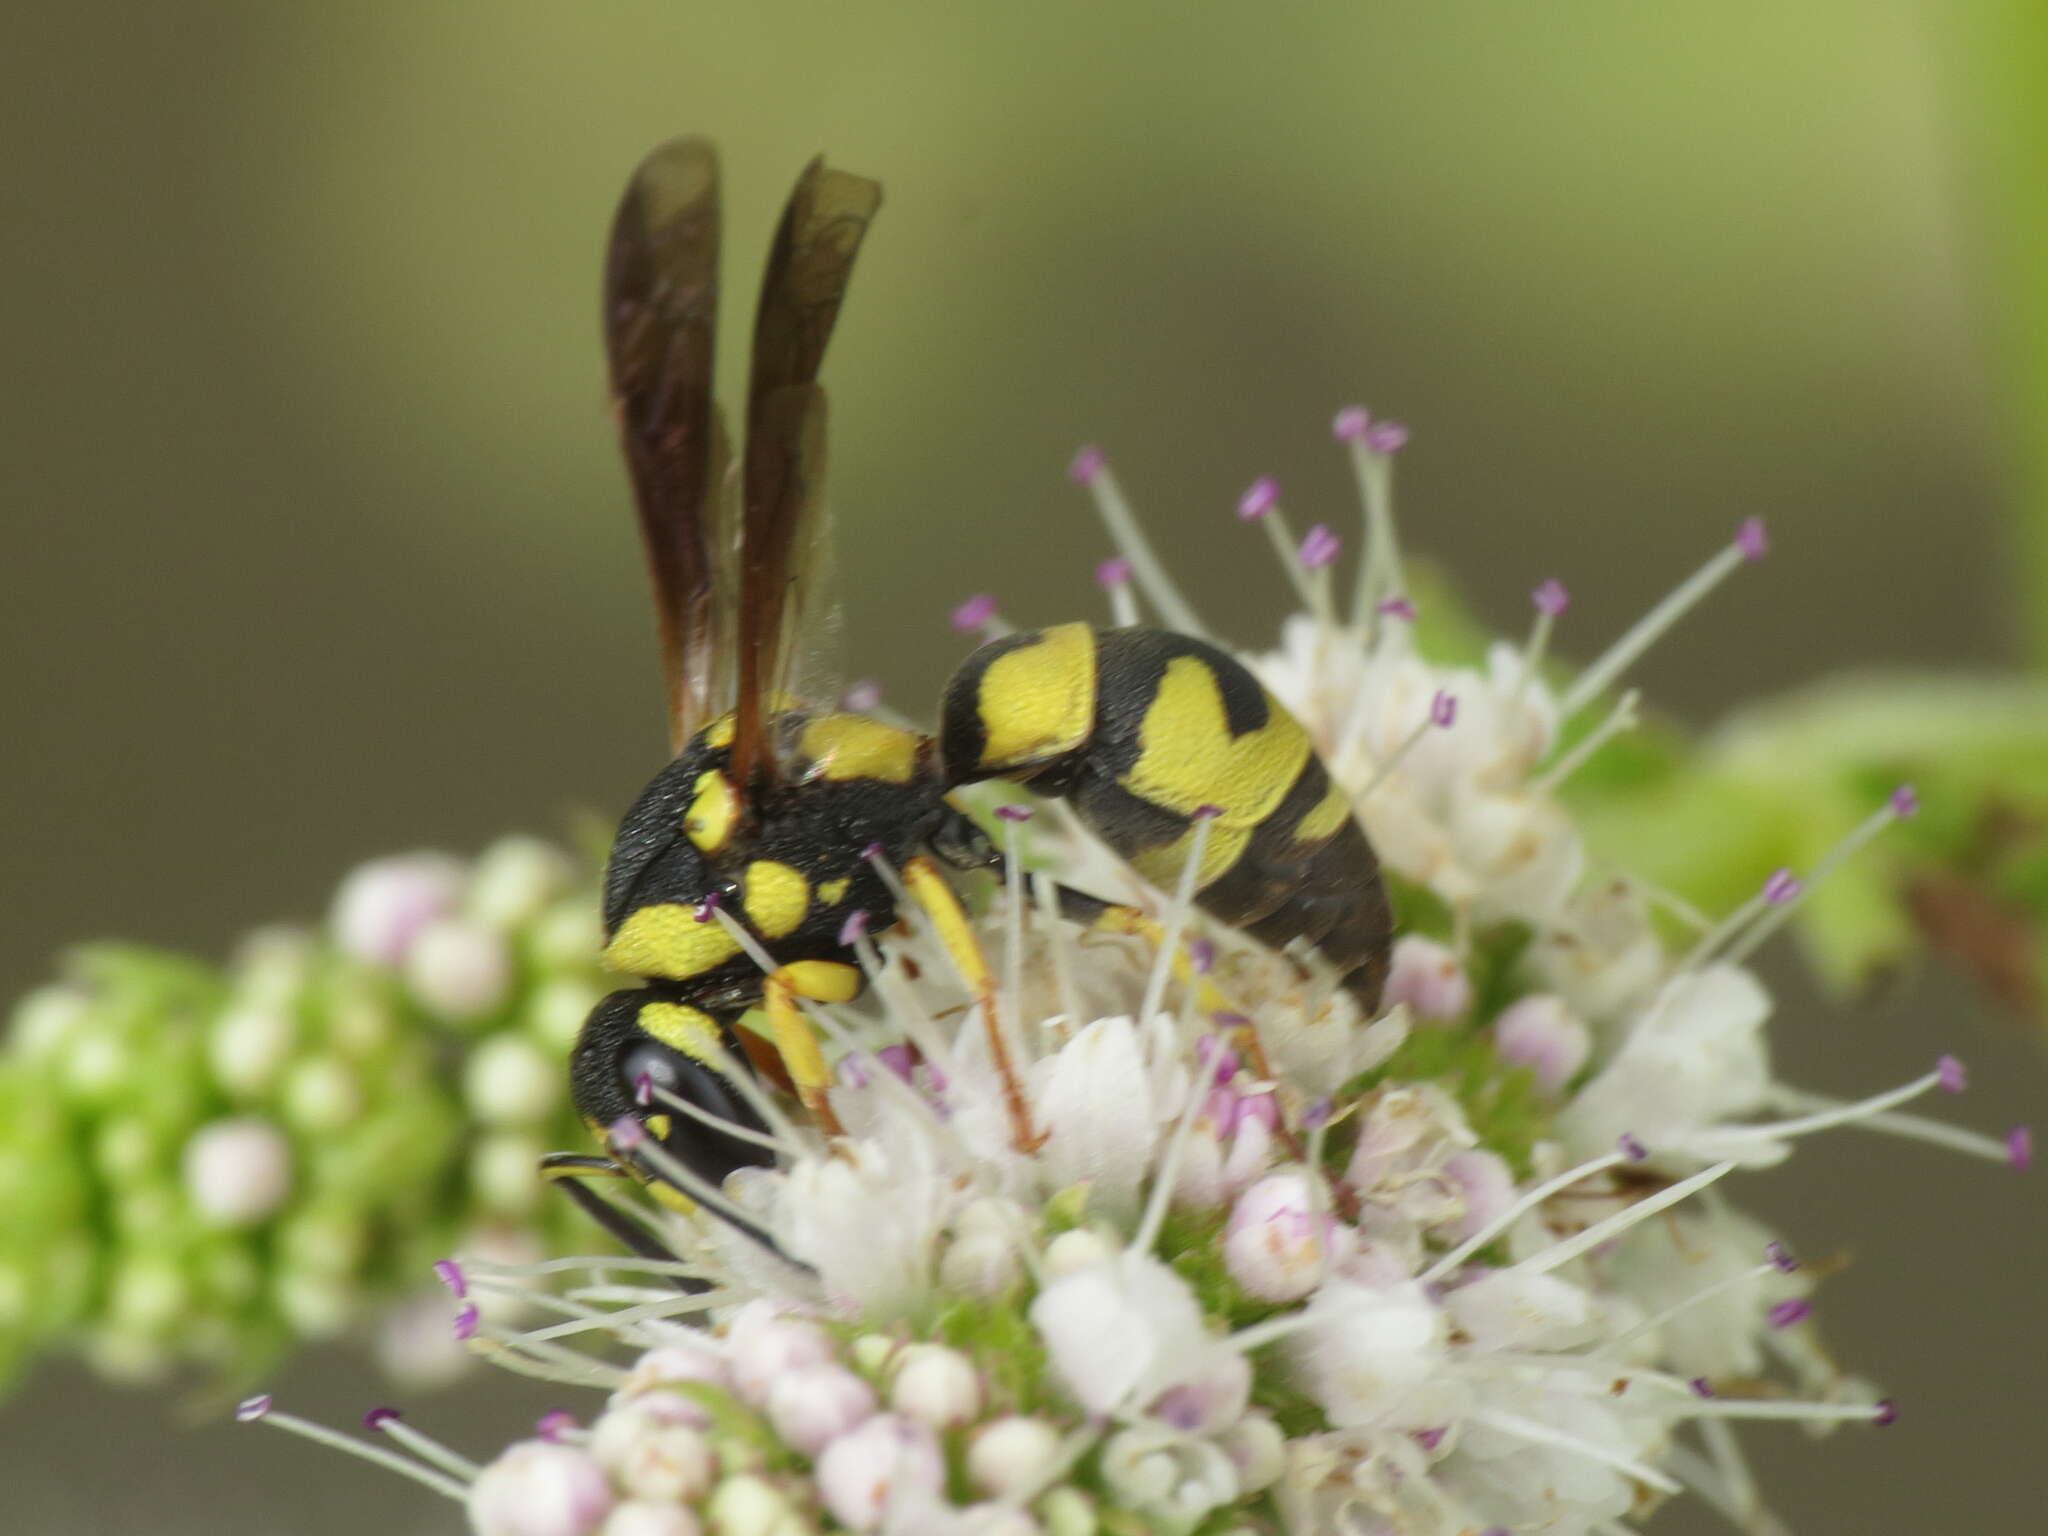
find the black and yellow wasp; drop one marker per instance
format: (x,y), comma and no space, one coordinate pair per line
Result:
(777,822)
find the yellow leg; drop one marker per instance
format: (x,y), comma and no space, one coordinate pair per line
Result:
(923,880)
(821,981)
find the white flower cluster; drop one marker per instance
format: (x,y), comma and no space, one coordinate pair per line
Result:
(1261,1265)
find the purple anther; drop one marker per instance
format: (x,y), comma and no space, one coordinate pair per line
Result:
(861,697)
(1751,539)
(974,613)
(1396,608)
(1113,573)
(853,930)
(1351,424)
(1319,548)
(1013,813)
(377,1418)
(1202,956)
(1794,1309)
(1905,800)
(1261,497)
(1630,1148)
(1550,598)
(250,1409)
(466,1320)
(1429,1439)
(1214,1052)
(1951,1074)
(1386,437)
(643,1089)
(1264,1108)
(1443,710)
(1782,886)
(1780,1257)
(1087,466)
(708,906)
(1317,1113)
(1701,1387)
(1184,1406)
(1887,1412)
(872,852)
(2019,1148)
(554,1424)
(898,1058)
(449,1273)
(626,1133)
(1208,812)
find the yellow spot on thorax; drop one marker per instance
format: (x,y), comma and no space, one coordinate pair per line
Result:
(833,892)
(775,898)
(667,940)
(683,1028)
(1038,701)
(709,821)
(856,747)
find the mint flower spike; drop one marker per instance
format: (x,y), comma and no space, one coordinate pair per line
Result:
(1265,1264)
(255,1127)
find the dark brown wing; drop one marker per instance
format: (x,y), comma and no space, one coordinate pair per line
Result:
(660,325)
(808,268)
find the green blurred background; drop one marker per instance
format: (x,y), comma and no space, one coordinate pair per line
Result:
(317,546)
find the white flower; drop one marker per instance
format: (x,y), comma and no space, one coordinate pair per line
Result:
(1375,1358)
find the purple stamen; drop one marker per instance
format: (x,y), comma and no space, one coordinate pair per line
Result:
(1386,437)
(1351,424)
(554,1424)
(1013,813)
(1751,540)
(1630,1148)
(974,613)
(626,1133)
(466,1320)
(1443,710)
(1550,598)
(449,1273)
(1261,497)
(1701,1387)
(377,1418)
(2019,1147)
(861,697)
(1782,886)
(1795,1310)
(250,1409)
(1887,1412)
(1905,801)
(1780,1257)
(1319,548)
(712,901)
(1113,573)
(1087,465)
(853,930)
(1396,608)
(643,1089)
(1201,956)
(1954,1078)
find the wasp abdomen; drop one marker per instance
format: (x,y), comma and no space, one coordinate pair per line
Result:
(1141,729)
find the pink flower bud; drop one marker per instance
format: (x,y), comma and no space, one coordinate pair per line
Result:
(887,1460)
(383,906)
(641,1518)
(936,1386)
(458,968)
(1540,1033)
(1488,1186)
(538,1489)
(763,1343)
(817,1404)
(237,1171)
(1427,977)
(1276,1244)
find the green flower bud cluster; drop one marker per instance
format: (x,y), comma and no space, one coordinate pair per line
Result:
(205,1165)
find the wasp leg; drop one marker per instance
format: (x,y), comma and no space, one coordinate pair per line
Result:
(567,1171)
(924,882)
(820,981)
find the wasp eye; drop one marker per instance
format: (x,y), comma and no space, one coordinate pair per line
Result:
(656,1063)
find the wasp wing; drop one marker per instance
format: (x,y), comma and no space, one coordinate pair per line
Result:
(809,266)
(660,324)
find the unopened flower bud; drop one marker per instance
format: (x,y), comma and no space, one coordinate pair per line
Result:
(1276,1245)
(509,1080)
(816,1404)
(937,1386)
(888,1459)
(980,1264)
(1257,1449)
(382,907)
(1011,1456)
(1082,1248)
(237,1171)
(677,1362)
(638,1517)
(458,969)
(539,1489)
(514,880)
(1428,978)
(1488,1185)
(1067,1511)
(667,1463)
(748,1506)
(1540,1033)
(249,1045)
(764,1343)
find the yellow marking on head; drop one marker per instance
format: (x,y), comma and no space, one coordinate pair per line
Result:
(1162,865)
(833,892)
(709,821)
(775,898)
(658,1126)
(667,940)
(1325,818)
(1038,700)
(682,1028)
(720,731)
(1188,758)
(855,747)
